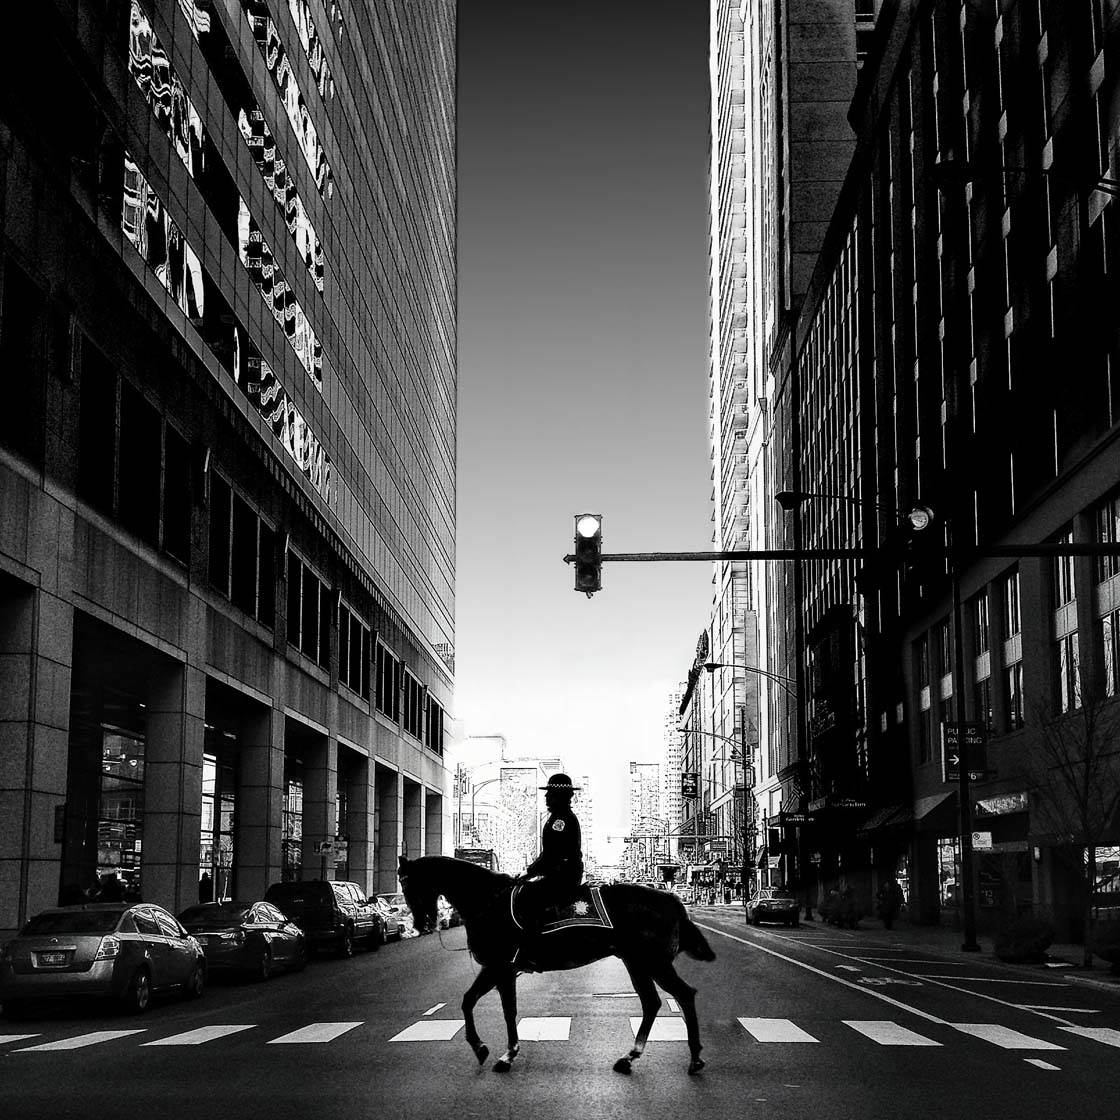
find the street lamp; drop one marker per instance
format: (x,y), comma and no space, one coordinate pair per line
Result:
(474,793)
(779,679)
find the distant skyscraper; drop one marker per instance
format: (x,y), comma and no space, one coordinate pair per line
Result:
(646,821)
(671,768)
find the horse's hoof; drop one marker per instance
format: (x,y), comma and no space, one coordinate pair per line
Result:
(482,1053)
(696,1065)
(624,1065)
(502,1066)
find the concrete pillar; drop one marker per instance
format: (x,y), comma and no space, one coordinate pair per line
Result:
(360,826)
(175,734)
(413,819)
(36,651)
(320,791)
(260,795)
(390,827)
(433,824)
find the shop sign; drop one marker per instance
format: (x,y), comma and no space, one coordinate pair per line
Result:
(773,861)
(982,841)
(1002,805)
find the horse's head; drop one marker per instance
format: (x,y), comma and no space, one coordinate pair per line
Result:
(420,892)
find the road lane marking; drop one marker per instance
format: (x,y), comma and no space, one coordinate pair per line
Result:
(78,1041)
(775,1030)
(902,960)
(673,1005)
(888,1033)
(1106,1035)
(15,1037)
(887,968)
(431,1030)
(315,1032)
(850,967)
(1046,1007)
(1040,1063)
(432,1010)
(871,992)
(201,1035)
(664,1029)
(545,1028)
(1005,1037)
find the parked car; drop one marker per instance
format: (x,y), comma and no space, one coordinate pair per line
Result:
(119,950)
(246,937)
(773,904)
(394,922)
(400,910)
(332,914)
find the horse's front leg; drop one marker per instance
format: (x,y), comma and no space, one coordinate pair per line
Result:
(507,989)
(483,982)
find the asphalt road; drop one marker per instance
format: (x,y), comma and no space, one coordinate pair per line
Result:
(795,1023)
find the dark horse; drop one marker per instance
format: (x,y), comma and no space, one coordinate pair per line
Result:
(650,929)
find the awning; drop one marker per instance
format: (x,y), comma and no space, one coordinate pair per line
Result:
(761,861)
(937,812)
(892,816)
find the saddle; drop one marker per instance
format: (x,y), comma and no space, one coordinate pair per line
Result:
(586,909)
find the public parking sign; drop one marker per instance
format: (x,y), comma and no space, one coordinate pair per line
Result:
(974,737)
(690,784)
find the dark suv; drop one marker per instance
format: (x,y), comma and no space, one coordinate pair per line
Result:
(332,914)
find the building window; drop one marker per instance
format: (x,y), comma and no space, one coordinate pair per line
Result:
(1012,619)
(433,731)
(353,652)
(981,632)
(242,551)
(388,673)
(1110,641)
(982,699)
(291,821)
(1108,532)
(308,617)
(925,719)
(413,706)
(1065,590)
(1013,695)
(120,815)
(22,352)
(1067,666)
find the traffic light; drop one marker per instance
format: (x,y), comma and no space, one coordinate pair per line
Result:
(589,553)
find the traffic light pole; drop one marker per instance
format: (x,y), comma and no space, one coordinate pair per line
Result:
(1008,551)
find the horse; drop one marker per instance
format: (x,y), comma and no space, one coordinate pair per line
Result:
(650,927)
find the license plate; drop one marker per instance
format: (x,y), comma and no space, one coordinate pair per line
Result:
(53,958)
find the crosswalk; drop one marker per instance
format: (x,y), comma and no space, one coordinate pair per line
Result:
(558,1028)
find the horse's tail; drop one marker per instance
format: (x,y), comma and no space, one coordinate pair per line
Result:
(692,939)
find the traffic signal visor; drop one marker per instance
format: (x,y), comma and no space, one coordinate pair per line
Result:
(589,553)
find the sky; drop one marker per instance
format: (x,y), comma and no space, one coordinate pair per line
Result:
(583,386)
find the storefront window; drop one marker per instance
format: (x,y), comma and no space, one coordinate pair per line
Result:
(948,871)
(120,816)
(291,828)
(219,804)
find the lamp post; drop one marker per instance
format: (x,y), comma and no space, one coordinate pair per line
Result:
(474,793)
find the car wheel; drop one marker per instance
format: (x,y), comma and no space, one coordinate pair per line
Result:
(15,1009)
(138,994)
(264,965)
(194,986)
(346,945)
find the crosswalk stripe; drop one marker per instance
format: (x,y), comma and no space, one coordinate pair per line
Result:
(429,1030)
(78,1041)
(4,1038)
(314,1032)
(1107,1035)
(887,1033)
(547,1028)
(775,1030)
(1041,1064)
(200,1035)
(665,1029)
(1005,1037)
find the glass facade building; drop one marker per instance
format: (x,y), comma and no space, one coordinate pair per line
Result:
(228,344)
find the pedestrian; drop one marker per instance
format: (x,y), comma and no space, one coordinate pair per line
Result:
(205,888)
(890,900)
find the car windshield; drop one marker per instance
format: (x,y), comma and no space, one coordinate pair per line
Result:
(224,914)
(74,921)
(777,894)
(395,899)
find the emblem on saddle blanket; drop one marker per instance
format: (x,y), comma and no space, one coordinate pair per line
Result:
(586,910)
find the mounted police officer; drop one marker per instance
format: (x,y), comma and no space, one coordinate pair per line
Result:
(554,877)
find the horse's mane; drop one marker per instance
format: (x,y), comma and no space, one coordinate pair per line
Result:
(472,876)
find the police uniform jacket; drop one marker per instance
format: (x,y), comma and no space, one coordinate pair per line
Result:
(561,857)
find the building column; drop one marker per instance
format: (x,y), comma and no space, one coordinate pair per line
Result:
(362,847)
(174,740)
(413,819)
(36,652)
(390,827)
(260,798)
(433,824)
(320,805)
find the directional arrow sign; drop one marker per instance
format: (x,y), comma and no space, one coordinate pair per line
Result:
(971,736)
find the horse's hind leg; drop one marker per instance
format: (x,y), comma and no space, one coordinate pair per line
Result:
(685,994)
(651,1003)
(483,982)
(507,989)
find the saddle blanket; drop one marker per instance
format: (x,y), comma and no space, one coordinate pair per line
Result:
(586,910)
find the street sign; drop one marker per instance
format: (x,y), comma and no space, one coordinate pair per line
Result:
(325,847)
(690,784)
(975,740)
(982,841)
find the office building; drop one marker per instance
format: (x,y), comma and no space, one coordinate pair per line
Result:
(227,456)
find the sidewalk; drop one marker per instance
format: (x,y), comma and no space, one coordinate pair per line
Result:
(946,940)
